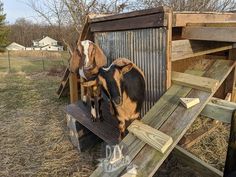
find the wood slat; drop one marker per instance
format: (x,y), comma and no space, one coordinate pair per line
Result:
(225,34)
(148,21)
(201,83)
(107,130)
(230,164)
(132,14)
(196,164)
(214,24)
(151,136)
(182,19)
(189,140)
(182,49)
(219,109)
(158,114)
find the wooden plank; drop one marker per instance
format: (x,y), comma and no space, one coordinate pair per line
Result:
(195,163)
(213,24)
(230,165)
(189,140)
(107,130)
(132,14)
(228,97)
(168,49)
(182,19)
(201,83)
(157,115)
(73,88)
(148,21)
(231,82)
(182,49)
(223,34)
(151,136)
(219,109)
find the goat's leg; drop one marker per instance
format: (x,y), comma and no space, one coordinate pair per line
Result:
(99,106)
(121,128)
(93,109)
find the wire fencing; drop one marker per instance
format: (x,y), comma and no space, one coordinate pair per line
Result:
(12,61)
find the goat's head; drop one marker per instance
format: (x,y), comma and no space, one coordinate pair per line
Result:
(111,81)
(87,56)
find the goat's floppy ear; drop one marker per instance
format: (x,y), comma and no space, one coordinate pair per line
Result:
(75,61)
(126,68)
(100,58)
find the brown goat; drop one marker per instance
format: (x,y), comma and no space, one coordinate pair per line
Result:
(86,60)
(124,84)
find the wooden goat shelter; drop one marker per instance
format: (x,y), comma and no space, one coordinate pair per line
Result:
(182,54)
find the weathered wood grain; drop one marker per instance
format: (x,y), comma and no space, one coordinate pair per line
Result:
(182,49)
(106,130)
(132,14)
(151,136)
(224,34)
(139,22)
(182,19)
(201,83)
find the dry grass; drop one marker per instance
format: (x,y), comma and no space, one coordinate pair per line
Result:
(33,133)
(213,147)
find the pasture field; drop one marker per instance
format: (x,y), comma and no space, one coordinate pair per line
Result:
(34,138)
(30,64)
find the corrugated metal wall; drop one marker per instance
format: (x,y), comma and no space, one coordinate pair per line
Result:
(147,49)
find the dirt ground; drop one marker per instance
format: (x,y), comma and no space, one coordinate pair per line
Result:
(34,137)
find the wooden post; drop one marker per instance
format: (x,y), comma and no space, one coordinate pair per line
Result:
(43,64)
(230,165)
(9,61)
(230,82)
(169,16)
(73,88)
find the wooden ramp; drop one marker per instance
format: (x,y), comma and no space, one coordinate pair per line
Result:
(63,87)
(171,118)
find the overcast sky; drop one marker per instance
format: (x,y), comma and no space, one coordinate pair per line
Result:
(16,9)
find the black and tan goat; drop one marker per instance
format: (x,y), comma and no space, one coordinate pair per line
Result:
(86,60)
(124,84)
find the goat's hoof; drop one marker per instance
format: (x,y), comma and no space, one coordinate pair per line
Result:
(84,103)
(93,119)
(101,119)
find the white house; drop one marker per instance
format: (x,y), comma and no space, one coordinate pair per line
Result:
(15,46)
(46,43)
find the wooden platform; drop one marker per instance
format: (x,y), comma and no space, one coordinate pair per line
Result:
(107,130)
(170,117)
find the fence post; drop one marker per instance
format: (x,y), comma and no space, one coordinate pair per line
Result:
(43,62)
(9,62)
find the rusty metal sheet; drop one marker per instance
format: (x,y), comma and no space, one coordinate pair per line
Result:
(147,49)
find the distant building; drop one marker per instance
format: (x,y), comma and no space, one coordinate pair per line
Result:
(46,43)
(15,46)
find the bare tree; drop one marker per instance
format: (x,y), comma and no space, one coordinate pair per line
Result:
(73,13)
(188,5)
